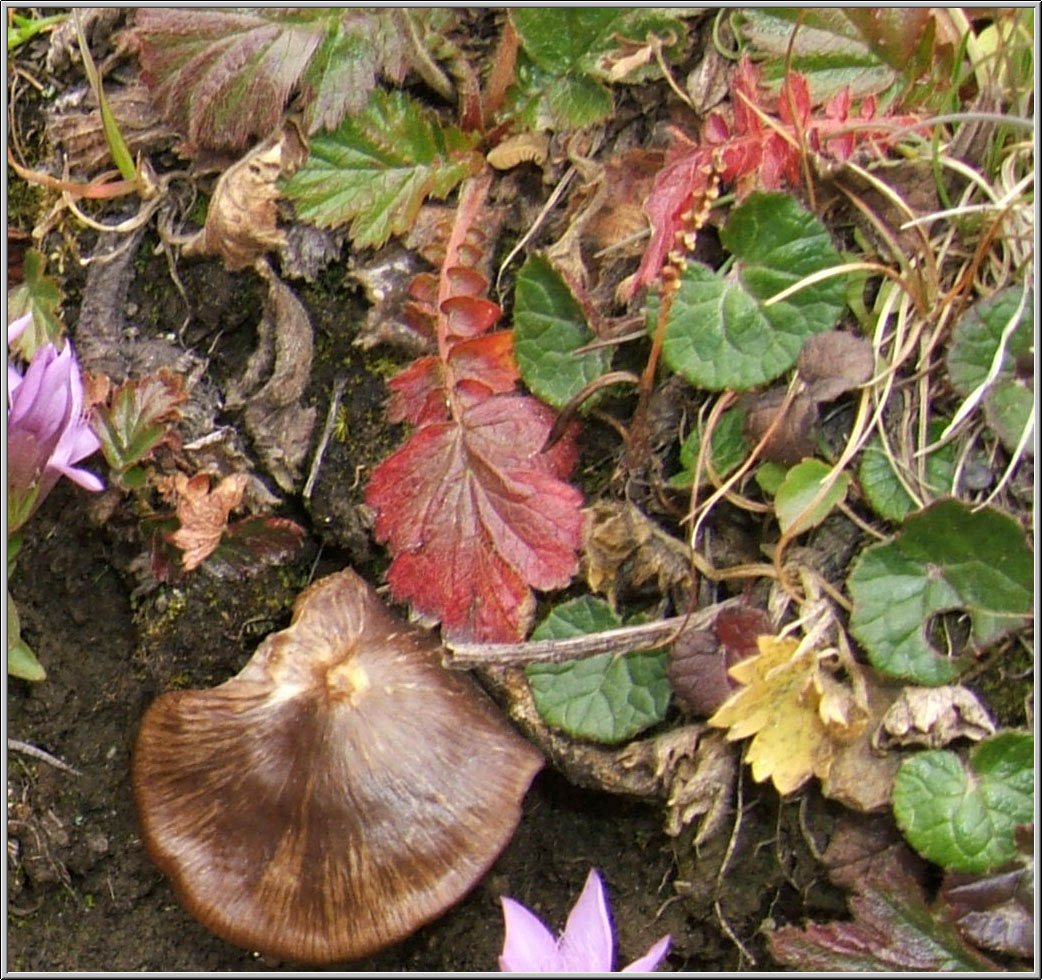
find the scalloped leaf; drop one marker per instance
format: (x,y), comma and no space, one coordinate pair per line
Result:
(377,168)
(884,491)
(475,514)
(963,816)
(549,326)
(720,334)
(223,76)
(946,557)
(40,295)
(603,698)
(1009,396)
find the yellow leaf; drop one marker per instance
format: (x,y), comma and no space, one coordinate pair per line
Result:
(796,709)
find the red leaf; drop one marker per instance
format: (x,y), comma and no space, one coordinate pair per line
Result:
(475,514)
(750,154)
(472,510)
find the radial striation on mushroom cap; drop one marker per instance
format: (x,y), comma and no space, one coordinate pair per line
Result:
(339,792)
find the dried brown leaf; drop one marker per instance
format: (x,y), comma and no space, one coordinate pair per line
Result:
(203,514)
(796,434)
(932,717)
(270,389)
(242,220)
(624,550)
(834,362)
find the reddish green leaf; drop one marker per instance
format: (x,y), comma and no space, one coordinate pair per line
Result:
(892,929)
(253,543)
(224,76)
(137,417)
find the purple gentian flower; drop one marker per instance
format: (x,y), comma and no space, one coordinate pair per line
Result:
(585,946)
(47,429)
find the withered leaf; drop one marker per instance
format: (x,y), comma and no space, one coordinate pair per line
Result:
(796,710)
(203,514)
(699,660)
(276,421)
(932,717)
(624,550)
(74,124)
(242,220)
(795,436)
(699,773)
(860,777)
(834,362)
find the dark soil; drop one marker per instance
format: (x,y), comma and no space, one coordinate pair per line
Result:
(83,894)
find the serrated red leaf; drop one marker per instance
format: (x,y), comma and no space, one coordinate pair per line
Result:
(745,151)
(476,515)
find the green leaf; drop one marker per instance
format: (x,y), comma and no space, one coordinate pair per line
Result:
(378,168)
(37,294)
(829,49)
(548,327)
(136,420)
(604,698)
(720,334)
(884,491)
(946,557)
(976,341)
(769,477)
(963,816)
(798,489)
(727,447)
(562,40)
(566,55)
(21,661)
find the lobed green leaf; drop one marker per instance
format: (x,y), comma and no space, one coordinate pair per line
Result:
(377,169)
(720,334)
(963,816)
(603,698)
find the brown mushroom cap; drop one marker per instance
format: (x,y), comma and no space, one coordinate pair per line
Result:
(339,792)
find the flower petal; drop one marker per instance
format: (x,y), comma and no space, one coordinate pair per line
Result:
(528,946)
(17,327)
(586,945)
(651,959)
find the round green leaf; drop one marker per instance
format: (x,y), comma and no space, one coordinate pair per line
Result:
(604,698)
(946,557)
(548,327)
(720,334)
(963,817)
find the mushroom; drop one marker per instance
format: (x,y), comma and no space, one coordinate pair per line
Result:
(343,789)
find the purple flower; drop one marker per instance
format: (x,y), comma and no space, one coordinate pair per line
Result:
(585,946)
(47,429)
